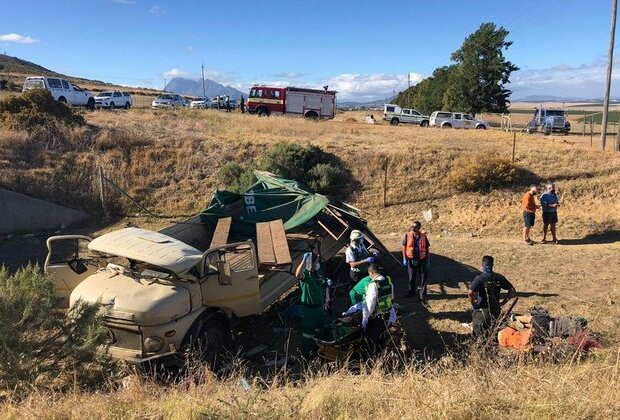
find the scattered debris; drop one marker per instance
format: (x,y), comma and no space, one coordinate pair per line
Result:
(428,215)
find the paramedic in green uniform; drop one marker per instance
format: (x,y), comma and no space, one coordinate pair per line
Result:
(312,285)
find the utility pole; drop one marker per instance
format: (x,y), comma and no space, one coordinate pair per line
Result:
(204,90)
(610,59)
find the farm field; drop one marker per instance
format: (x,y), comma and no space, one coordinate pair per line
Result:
(169,162)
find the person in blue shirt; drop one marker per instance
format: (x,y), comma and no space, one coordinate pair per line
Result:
(550,203)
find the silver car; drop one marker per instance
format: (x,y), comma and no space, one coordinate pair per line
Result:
(169,100)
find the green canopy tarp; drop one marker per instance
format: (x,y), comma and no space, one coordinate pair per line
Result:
(270,198)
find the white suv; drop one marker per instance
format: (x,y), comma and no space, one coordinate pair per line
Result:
(113,100)
(61,90)
(456,120)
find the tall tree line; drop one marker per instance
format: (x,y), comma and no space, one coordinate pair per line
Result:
(475,82)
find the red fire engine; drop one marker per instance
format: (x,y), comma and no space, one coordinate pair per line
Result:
(308,103)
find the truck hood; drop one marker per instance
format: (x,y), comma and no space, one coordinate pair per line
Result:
(139,301)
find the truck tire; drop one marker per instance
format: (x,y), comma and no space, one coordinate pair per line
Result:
(446,125)
(90,104)
(311,115)
(262,112)
(481,127)
(394,121)
(62,99)
(127,105)
(424,123)
(208,339)
(112,106)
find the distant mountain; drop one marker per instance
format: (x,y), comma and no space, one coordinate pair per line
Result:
(378,102)
(551,98)
(189,87)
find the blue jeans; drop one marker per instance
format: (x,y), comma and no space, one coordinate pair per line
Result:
(415,268)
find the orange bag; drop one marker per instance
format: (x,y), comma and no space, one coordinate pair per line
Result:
(509,338)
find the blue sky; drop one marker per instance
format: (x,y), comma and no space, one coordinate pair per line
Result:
(364,49)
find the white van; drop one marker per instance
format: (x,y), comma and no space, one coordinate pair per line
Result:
(61,90)
(445,119)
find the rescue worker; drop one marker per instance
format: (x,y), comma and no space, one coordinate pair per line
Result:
(242,104)
(312,285)
(228,104)
(484,296)
(358,257)
(377,311)
(415,257)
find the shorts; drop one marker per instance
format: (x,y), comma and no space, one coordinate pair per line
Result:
(528,219)
(550,217)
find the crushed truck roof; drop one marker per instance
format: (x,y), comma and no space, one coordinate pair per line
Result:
(147,246)
(274,198)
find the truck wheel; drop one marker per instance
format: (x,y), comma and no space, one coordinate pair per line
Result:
(212,341)
(62,99)
(311,115)
(481,127)
(394,121)
(263,112)
(127,105)
(91,104)
(112,106)
(446,125)
(424,123)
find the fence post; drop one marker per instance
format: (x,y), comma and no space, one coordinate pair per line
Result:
(617,145)
(385,173)
(514,145)
(102,193)
(591,130)
(585,121)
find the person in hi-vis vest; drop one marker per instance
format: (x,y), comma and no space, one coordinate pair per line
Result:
(415,257)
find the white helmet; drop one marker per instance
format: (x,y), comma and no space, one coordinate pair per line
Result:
(356,234)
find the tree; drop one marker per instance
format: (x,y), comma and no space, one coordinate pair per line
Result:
(481,72)
(427,96)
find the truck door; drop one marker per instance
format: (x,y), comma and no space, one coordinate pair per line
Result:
(230,279)
(68,262)
(458,120)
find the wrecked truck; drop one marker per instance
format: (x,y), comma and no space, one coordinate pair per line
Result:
(162,293)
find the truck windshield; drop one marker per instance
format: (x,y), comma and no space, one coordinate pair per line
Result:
(105,94)
(554,113)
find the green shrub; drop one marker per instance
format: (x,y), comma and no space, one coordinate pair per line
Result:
(480,173)
(321,171)
(235,177)
(41,348)
(36,110)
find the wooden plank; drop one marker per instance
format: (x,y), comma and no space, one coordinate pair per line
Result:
(280,244)
(265,246)
(220,236)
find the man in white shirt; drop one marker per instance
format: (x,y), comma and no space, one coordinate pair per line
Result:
(358,257)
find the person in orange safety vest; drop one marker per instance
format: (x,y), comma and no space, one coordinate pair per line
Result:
(415,257)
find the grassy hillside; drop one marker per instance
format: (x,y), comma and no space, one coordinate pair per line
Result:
(15,70)
(169,161)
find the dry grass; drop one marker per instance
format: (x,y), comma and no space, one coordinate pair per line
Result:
(169,161)
(512,388)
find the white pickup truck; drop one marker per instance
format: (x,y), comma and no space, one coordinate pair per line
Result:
(113,99)
(396,115)
(61,90)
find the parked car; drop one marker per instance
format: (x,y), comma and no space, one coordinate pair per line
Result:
(169,100)
(445,119)
(113,99)
(396,115)
(201,103)
(62,90)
